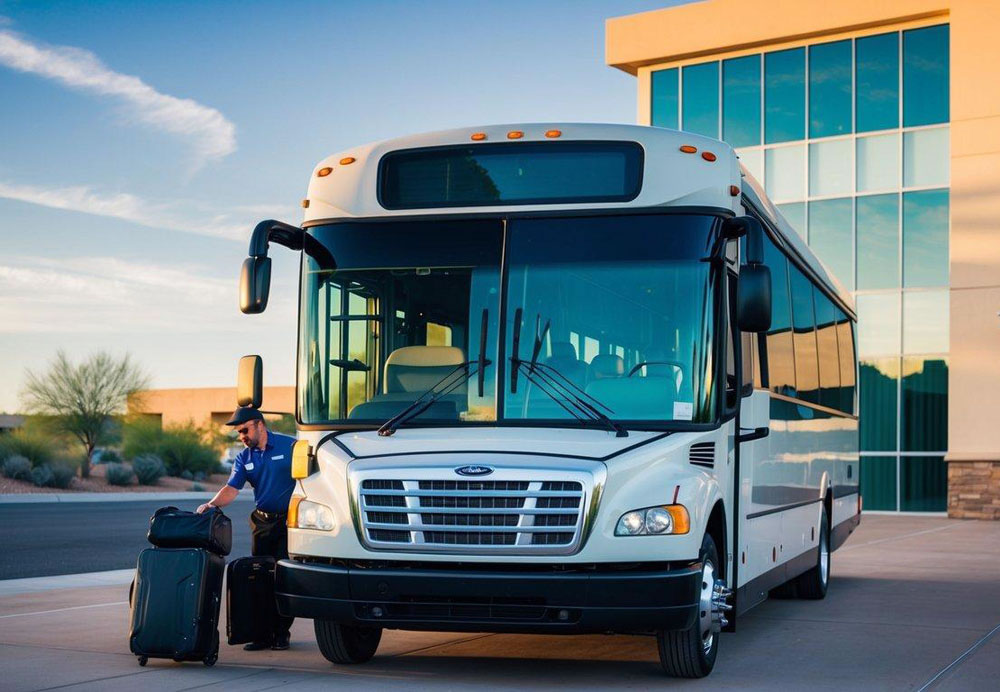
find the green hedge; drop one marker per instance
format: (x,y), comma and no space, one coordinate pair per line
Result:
(180,448)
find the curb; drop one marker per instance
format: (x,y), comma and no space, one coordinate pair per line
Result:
(14,587)
(22,498)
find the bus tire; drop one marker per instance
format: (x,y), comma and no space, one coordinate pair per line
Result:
(691,653)
(813,584)
(346,644)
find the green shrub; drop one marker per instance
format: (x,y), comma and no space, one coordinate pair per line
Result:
(187,475)
(62,476)
(33,445)
(17,468)
(148,468)
(42,475)
(197,488)
(182,448)
(118,474)
(110,456)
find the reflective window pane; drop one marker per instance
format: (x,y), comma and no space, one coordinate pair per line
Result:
(804,322)
(780,358)
(753,159)
(846,347)
(830,236)
(741,101)
(926,157)
(925,238)
(878,241)
(795,214)
(664,98)
(877,82)
(924,412)
(826,343)
(700,106)
(925,321)
(830,89)
(923,484)
(785,173)
(878,396)
(831,167)
(878,324)
(784,95)
(925,76)
(878,163)
(878,483)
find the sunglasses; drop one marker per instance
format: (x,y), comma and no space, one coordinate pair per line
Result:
(243,431)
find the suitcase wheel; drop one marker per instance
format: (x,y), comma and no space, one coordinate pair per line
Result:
(143,660)
(211,658)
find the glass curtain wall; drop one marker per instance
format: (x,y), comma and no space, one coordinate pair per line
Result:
(850,139)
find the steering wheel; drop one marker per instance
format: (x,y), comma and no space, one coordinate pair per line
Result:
(639,366)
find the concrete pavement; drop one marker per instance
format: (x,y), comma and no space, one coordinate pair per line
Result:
(913,601)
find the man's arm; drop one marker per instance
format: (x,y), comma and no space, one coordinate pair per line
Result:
(226,494)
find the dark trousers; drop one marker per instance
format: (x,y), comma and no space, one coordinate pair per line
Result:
(269,538)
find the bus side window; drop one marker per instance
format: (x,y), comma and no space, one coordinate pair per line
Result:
(779,355)
(751,370)
(845,341)
(804,340)
(732,395)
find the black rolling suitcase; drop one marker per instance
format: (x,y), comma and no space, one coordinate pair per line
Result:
(175,605)
(170,527)
(250,606)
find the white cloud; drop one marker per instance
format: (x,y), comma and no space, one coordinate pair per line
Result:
(111,295)
(214,136)
(189,217)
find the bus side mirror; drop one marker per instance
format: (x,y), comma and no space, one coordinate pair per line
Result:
(255,285)
(753,298)
(753,294)
(249,382)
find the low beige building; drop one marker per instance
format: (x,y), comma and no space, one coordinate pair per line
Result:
(204,406)
(875,128)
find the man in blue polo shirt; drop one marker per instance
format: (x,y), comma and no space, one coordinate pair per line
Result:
(267,464)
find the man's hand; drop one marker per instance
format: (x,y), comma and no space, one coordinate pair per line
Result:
(204,508)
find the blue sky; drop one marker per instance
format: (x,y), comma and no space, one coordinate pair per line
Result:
(141,141)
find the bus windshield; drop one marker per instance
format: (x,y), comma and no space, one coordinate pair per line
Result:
(617,309)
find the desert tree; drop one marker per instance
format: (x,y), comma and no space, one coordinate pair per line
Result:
(83,399)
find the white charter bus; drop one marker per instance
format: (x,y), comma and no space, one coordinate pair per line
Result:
(557,378)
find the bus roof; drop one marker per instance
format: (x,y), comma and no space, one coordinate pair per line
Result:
(671,176)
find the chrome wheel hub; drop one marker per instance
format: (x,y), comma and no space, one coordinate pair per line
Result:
(712,605)
(824,558)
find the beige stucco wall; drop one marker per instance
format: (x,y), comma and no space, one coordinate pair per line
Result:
(725,28)
(205,405)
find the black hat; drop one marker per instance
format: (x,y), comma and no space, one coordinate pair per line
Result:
(245,414)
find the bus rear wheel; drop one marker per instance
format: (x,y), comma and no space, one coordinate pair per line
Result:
(346,644)
(813,584)
(691,653)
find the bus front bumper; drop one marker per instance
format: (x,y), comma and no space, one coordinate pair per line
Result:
(415,597)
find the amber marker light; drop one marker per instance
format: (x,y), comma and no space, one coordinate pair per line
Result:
(305,204)
(347,160)
(323,172)
(293,511)
(515,134)
(688,149)
(708,156)
(478,136)
(734,190)
(679,513)
(552,134)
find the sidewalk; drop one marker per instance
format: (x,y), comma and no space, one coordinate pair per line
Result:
(169,496)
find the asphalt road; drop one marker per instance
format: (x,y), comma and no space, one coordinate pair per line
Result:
(45,539)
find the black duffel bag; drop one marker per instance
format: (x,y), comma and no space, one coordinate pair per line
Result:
(170,527)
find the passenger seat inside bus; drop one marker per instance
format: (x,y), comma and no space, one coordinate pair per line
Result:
(565,360)
(409,372)
(630,398)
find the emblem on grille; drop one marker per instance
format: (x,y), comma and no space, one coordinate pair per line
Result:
(474,470)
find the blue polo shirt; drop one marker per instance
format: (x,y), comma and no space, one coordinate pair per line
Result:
(269,472)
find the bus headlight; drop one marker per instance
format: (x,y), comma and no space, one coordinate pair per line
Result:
(304,514)
(654,521)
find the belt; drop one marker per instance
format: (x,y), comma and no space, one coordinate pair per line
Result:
(271,515)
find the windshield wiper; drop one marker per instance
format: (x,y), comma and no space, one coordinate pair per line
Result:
(433,394)
(562,392)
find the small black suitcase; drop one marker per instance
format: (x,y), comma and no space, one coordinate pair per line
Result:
(250,606)
(170,527)
(175,605)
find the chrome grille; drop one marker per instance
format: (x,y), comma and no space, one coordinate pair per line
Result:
(527,516)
